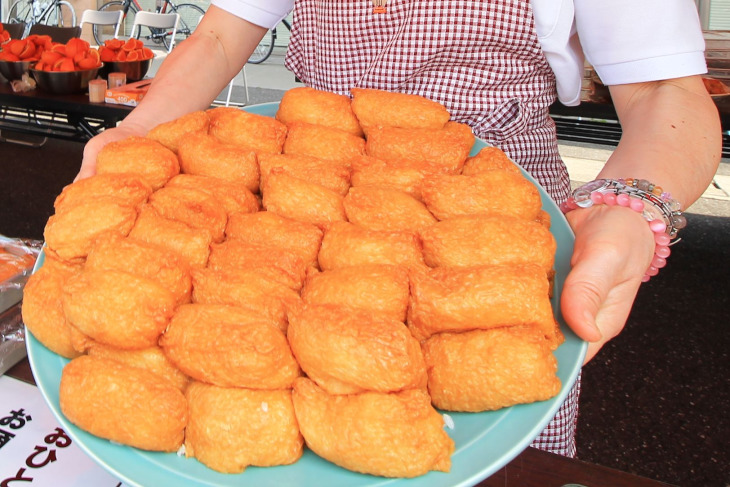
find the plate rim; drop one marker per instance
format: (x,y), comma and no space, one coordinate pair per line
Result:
(468,457)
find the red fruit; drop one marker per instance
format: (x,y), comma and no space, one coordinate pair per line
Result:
(87,63)
(59,48)
(75,46)
(107,55)
(16,46)
(8,56)
(64,64)
(130,45)
(50,57)
(114,43)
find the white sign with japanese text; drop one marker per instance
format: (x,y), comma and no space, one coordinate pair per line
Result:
(35,450)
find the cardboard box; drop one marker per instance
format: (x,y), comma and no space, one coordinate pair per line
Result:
(130,94)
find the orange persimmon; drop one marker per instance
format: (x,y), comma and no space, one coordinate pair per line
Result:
(8,56)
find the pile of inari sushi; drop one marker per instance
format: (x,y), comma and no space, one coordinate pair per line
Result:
(237,287)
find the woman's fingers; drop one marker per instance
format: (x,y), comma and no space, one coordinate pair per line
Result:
(613,248)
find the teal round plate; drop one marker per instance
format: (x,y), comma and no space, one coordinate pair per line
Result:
(485,442)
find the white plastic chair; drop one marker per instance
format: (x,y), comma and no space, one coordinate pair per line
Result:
(156,21)
(100,17)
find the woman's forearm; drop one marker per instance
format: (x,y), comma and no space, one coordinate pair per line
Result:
(671,136)
(196,71)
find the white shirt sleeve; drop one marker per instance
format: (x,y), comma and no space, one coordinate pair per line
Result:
(626,41)
(265,14)
(629,41)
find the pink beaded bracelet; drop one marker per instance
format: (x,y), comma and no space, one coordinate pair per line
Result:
(663,213)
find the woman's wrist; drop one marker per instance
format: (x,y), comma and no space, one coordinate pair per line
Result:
(656,206)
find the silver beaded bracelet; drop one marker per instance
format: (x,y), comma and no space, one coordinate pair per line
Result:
(663,212)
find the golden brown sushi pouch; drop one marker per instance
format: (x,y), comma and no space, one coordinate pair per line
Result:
(124,404)
(232,428)
(347,350)
(117,308)
(318,107)
(389,435)
(450,299)
(171,133)
(484,370)
(43,309)
(230,347)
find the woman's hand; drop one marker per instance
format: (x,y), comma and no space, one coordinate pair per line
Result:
(189,79)
(613,249)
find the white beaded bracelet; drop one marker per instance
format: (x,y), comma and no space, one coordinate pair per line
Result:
(663,213)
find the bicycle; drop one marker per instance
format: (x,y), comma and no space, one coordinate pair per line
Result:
(262,52)
(57,13)
(190,16)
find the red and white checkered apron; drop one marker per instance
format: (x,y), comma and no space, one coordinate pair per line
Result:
(481,59)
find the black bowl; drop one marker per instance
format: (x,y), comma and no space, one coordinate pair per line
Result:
(64,82)
(135,70)
(13,70)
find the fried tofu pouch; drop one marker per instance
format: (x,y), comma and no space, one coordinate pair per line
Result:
(246,288)
(389,435)
(71,233)
(154,162)
(144,259)
(449,299)
(378,108)
(489,159)
(384,209)
(347,350)
(484,370)
(504,192)
(192,207)
(273,263)
(232,428)
(233,197)
(230,347)
(471,240)
(378,288)
(117,308)
(152,359)
(269,229)
(301,200)
(42,309)
(345,244)
(172,133)
(123,404)
(318,107)
(333,175)
(369,171)
(324,142)
(440,149)
(205,155)
(248,130)
(129,189)
(193,246)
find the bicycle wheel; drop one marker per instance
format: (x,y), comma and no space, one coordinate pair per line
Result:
(61,15)
(262,52)
(104,32)
(190,16)
(20,11)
